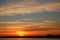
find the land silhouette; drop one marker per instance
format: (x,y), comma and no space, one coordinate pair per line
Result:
(47,36)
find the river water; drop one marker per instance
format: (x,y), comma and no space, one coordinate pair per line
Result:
(29,38)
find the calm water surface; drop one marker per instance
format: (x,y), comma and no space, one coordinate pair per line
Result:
(29,38)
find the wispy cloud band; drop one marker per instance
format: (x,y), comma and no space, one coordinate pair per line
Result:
(28,7)
(19,24)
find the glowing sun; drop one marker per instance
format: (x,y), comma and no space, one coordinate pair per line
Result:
(21,33)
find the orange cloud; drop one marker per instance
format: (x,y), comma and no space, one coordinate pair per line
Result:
(41,32)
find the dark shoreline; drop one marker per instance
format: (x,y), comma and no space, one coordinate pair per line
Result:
(48,36)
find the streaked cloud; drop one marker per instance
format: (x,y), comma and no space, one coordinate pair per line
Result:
(28,6)
(50,21)
(27,19)
(18,25)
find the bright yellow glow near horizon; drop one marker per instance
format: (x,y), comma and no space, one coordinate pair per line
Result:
(21,33)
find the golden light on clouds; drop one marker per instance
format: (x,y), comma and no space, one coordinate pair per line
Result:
(23,8)
(19,24)
(50,21)
(30,33)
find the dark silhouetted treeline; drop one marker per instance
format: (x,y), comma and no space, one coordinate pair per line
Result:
(47,36)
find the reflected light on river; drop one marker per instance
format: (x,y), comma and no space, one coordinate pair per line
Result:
(29,38)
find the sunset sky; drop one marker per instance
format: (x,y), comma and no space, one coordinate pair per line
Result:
(15,14)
